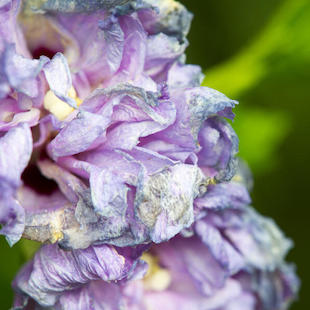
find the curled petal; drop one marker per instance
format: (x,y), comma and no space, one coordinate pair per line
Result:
(19,73)
(78,135)
(15,151)
(54,271)
(169,17)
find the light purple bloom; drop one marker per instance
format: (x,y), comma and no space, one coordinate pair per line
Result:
(109,146)
(54,271)
(140,146)
(230,258)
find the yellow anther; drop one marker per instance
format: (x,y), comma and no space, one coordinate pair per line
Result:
(55,229)
(212,181)
(237,178)
(56,236)
(58,107)
(156,278)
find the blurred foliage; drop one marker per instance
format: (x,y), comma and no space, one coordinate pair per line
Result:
(11,261)
(257,52)
(282,45)
(260,134)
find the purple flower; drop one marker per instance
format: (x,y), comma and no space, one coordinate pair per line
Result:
(230,258)
(120,124)
(54,271)
(109,147)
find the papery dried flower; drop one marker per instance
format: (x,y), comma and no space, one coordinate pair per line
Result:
(232,258)
(142,144)
(109,144)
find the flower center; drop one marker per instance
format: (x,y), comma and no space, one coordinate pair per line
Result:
(58,107)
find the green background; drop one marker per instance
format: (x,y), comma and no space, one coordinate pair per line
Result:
(257,52)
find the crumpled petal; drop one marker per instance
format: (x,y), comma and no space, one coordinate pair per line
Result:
(72,187)
(162,51)
(11,115)
(222,196)
(164,201)
(123,209)
(198,275)
(95,53)
(109,193)
(122,187)
(15,152)
(90,297)
(12,217)
(209,272)
(78,135)
(259,240)
(54,271)
(184,76)
(194,106)
(19,73)
(57,74)
(219,146)
(169,17)
(9,29)
(134,52)
(256,238)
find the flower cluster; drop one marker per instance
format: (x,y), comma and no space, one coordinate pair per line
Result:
(112,153)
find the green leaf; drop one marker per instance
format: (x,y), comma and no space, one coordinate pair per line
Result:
(283,42)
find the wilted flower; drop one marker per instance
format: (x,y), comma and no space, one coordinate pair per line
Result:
(231,258)
(130,157)
(109,144)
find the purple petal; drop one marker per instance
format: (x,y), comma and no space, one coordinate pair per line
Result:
(12,216)
(96,53)
(184,76)
(15,151)
(78,135)
(58,76)
(194,106)
(219,146)
(162,51)
(19,72)
(9,28)
(224,195)
(11,115)
(259,240)
(54,271)
(155,21)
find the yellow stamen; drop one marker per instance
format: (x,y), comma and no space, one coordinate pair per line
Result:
(55,229)
(56,236)
(212,181)
(156,278)
(58,107)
